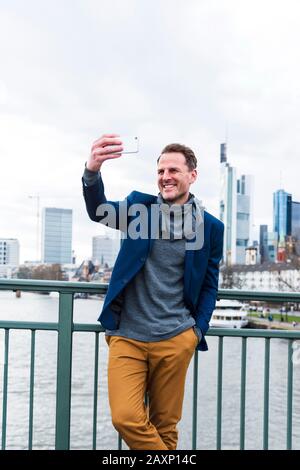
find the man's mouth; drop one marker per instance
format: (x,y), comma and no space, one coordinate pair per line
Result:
(169,186)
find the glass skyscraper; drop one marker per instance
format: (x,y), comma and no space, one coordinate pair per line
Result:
(228,210)
(57,235)
(296,220)
(105,249)
(236,198)
(263,243)
(282,214)
(243,216)
(272,246)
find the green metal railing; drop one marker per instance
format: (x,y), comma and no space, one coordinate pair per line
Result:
(65,328)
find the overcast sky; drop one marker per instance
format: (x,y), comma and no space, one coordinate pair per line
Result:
(190,71)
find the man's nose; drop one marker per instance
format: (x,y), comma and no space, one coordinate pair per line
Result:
(166,175)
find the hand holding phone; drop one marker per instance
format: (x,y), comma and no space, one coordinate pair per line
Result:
(130,144)
(110,146)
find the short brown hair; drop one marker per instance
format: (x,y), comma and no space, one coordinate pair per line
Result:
(190,158)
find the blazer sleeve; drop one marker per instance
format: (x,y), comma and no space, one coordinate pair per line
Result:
(208,294)
(108,213)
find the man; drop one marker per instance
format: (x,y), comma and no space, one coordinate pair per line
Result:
(161,295)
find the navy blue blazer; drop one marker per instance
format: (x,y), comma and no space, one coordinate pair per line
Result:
(201,268)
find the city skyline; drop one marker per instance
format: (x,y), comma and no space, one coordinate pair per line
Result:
(107,233)
(56,98)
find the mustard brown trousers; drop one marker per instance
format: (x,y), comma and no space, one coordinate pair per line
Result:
(158,368)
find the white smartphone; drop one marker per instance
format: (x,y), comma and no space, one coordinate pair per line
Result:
(129,144)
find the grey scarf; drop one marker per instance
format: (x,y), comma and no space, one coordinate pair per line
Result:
(178,221)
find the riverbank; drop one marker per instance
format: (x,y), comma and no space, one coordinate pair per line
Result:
(255,322)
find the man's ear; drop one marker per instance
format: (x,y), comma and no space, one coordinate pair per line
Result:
(194,175)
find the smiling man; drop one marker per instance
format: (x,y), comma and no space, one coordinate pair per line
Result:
(160,298)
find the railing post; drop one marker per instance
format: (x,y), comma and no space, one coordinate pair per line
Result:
(243,393)
(266,394)
(5,383)
(219,392)
(64,367)
(195,402)
(289,434)
(31,390)
(96,384)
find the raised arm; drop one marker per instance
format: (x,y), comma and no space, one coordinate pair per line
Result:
(105,148)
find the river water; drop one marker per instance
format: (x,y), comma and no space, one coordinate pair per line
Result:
(35,307)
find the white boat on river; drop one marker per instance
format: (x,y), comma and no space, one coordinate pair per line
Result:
(229,314)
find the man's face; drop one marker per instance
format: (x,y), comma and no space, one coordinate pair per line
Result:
(174,177)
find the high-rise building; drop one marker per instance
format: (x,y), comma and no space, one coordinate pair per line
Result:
(9,255)
(228,207)
(105,249)
(243,216)
(263,243)
(56,235)
(295,225)
(272,246)
(236,199)
(9,251)
(282,214)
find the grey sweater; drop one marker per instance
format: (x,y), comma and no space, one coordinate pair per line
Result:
(153,306)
